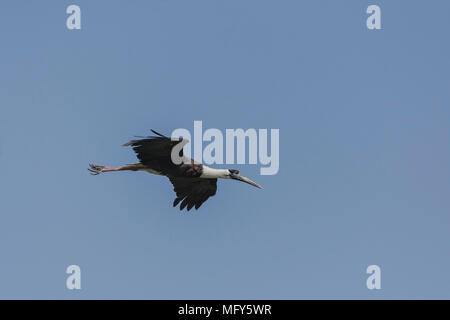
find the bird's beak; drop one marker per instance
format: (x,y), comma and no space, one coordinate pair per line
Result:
(244,179)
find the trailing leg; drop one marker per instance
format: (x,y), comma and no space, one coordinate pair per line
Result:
(95,169)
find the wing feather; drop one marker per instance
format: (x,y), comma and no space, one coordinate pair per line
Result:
(155,152)
(192,192)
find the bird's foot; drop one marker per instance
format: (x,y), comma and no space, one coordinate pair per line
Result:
(95,170)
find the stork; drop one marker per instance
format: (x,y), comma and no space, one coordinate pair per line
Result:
(192,182)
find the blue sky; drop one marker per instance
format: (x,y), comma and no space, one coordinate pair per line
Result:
(364,149)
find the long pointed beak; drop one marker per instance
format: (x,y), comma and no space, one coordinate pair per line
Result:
(245,179)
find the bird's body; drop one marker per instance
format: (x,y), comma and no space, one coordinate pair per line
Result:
(193,182)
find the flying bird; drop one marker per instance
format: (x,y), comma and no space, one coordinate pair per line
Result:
(192,182)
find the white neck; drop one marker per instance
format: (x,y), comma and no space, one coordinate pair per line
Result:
(214,173)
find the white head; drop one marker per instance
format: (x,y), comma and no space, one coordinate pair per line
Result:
(226,174)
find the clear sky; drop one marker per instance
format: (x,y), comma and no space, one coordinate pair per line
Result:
(364,148)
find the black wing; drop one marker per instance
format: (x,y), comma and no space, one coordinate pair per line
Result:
(155,152)
(193,191)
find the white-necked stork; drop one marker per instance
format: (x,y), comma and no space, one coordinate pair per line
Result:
(193,182)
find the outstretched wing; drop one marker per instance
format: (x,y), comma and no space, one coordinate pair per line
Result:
(192,191)
(155,152)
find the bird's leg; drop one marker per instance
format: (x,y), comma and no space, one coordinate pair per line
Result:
(95,169)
